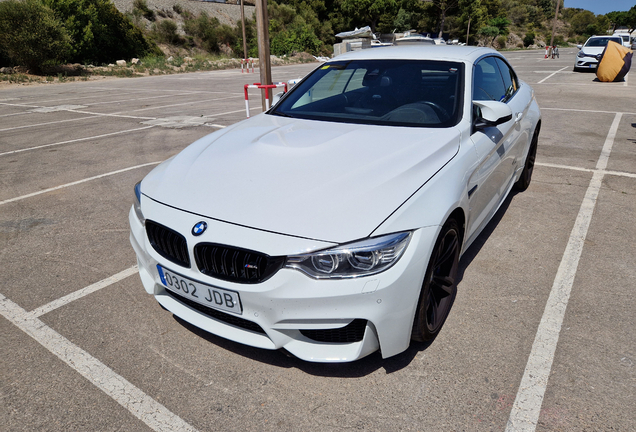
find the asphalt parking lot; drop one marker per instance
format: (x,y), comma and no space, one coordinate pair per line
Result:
(542,335)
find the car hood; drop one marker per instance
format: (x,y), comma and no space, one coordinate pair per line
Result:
(320,180)
(592,51)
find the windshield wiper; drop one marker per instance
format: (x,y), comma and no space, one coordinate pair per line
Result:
(280,114)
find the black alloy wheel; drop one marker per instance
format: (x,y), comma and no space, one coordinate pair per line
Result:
(440,284)
(526,175)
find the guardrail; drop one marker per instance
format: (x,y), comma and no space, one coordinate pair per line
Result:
(262,87)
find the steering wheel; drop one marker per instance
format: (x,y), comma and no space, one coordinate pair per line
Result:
(441,112)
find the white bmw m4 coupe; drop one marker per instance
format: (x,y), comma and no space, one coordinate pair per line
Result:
(331,226)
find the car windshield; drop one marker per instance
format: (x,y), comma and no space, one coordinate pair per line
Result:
(419,93)
(601,42)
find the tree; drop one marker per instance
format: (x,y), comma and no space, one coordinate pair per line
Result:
(31,35)
(473,12)
(623,19)
(496,27)
(100,33)
(369,12)
(445,7)
(290,31)
(587,24)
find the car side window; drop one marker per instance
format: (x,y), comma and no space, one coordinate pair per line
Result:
(511,83)
(487,81)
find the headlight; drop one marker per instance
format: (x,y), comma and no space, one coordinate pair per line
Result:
(580,54)
(357,259)
(137,203)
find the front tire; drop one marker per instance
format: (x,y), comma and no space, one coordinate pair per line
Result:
(440,284)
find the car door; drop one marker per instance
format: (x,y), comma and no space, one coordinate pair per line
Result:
(518,98)
(496,146)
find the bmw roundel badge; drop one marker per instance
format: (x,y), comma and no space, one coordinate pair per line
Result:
(199,228)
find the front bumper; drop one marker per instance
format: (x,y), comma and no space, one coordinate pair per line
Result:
(290,302)
(587,62)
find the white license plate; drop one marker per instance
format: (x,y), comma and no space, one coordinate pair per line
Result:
(207,295)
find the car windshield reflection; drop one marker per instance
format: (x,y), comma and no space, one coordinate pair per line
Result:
(601,42)
(381,92)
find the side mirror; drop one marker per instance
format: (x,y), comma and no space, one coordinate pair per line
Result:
(579,46)
(277,97)
(490,113)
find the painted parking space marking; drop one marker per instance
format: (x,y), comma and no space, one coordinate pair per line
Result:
(133,100)
(19,105)
(47,123)
(73,141)
(180,104)
(156,90)
(138,403)
(586,111)
(111,115)
(76,183)
(573,168)
(15,114)
(553,74)
(62,301)
(526,409)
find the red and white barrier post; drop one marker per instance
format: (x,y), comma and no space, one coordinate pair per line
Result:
(262,87)
(245,65)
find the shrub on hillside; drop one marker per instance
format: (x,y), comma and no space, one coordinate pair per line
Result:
(295,39)
(290,31)
(142,7)
(165,31)
(528,39)
(208,32)
(100,33)
(31,35)
(501,41)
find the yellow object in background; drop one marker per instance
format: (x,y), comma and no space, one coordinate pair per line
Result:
(615,63)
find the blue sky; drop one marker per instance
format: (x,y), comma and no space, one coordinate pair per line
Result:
(600,6)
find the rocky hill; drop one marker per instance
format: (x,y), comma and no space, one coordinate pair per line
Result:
(225,12)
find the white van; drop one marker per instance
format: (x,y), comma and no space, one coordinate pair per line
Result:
(625,38)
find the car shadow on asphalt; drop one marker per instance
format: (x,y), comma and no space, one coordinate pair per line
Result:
(366,365)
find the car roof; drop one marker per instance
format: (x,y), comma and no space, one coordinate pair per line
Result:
(464,54)
(614,36)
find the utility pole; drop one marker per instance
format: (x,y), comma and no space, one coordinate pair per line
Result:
(243,21)
(264,65)
(556,16)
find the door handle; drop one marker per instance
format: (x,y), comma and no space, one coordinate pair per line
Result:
(518,117)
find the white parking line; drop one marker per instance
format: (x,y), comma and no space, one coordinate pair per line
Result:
(75,140)
(551,75)
(15,114)
(138,403)
(46,124)
(573,168)
(19,105)
(181,104)
(159,90)
(132,100)
(586,111)
(81,293)
(527,406)
(92,96)
(75,183)
(111,115)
